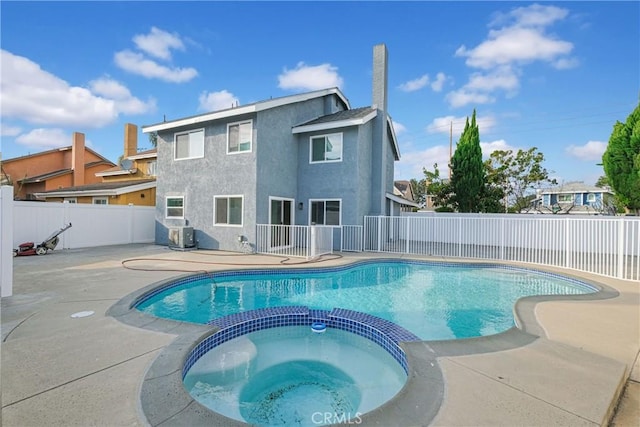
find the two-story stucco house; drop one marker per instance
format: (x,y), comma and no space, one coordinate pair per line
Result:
(296,160)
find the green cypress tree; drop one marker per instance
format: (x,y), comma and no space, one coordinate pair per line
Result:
(467,169)
(621,161)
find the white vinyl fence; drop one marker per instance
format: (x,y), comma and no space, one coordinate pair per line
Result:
(294,240)
(92,225)
(609,246)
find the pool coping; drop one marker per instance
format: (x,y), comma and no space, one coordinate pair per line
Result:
(165,401)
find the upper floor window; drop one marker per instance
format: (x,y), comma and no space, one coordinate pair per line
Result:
(326,148)
(189,145)
(325,212)
(239,137)
(175,207)
(151,168)
(227,210)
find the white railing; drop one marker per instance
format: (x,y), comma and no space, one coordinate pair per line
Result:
(294,240)
(351,238)
(606,246)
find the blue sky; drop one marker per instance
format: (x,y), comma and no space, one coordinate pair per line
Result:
(552,75)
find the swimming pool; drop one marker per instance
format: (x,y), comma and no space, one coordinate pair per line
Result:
(435,301)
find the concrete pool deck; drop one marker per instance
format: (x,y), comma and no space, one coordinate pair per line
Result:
(59,370)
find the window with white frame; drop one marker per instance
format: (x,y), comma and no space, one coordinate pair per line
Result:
(189,145)
(325,148)
(151,167)
(565,198)
(100,201)
(591,197)
(239,137)
(325,212)
(227,210)
(174,207)
(70,200)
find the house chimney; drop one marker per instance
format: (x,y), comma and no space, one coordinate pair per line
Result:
(130,140)
(77,158)
(382,184)
(379,98)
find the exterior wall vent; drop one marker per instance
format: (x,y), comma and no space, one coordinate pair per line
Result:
(181,237)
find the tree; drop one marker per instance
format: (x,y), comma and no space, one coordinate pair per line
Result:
(467,169)
(621,161)
(517,175)
(418,188)
(438,189)
(610,204)
(153,138)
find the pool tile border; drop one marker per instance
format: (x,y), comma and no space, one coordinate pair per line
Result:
(386,334)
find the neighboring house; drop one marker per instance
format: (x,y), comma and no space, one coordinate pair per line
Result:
(404,190)
(49,170)
(133,182)
(296,160)
(575,198)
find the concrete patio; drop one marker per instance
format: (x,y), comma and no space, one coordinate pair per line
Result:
(59,370)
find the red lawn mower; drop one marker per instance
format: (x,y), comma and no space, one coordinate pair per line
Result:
(50,243)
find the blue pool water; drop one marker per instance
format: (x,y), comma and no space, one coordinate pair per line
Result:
(434,301)
(293,376)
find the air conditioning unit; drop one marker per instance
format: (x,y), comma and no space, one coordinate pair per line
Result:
(181,237)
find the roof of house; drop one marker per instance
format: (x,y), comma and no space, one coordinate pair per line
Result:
(41,153)
(357,114)
(147,154)
(402,185)
(101,189)
(53,174)
(355,117)
(245,109)
(576,187)
(45,176)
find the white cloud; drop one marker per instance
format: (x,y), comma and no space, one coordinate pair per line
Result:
(591,151)
(37,96)
(125,102)
(501,78)
(399,127)
(566,63)
(533,15)
(462,97)
(45,139)
(137,63)
(306,77)
(411,163)
(6,130)
(443,125)
(213,101)
(490,147)
(522,39)
(33,95)
(515,45)
(158,43)
(415,84)
(438,83)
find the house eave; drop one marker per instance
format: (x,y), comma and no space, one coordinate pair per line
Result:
(237,111)
(334,125)
(394,140)
(115,173)
(401,200)
(103,192)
